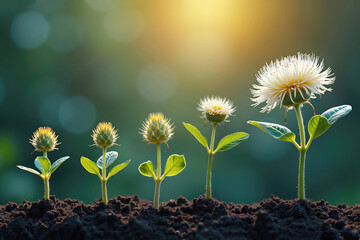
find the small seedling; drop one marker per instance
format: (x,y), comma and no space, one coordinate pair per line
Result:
(104,136)
(157,129)
(44,140)
(291,82)
(216,110)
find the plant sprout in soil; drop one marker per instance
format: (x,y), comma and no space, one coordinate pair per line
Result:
(291,82)
(216,110)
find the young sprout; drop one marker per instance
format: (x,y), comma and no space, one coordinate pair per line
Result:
(291,82)
(216,110)
(44,140)
(157,129)
(104,136)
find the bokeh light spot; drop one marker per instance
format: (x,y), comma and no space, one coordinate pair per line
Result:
(77,114)
(65,34)
(157,83)
(101,5)
(125,25)
(49,109)
(29,30)
(204,55)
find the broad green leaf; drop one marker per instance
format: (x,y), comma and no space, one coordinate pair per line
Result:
(275,130)
(197,134)
(38,165)
(110,159)
(118,168)
(335,113)
(29,170)
(45,163)
(317,126)
(90,166)
(147,169)
(174,165)
(231,141)
(57,163)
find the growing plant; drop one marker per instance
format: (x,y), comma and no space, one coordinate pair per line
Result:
(157,129)
(44,140)
(291,82)
(216,110)
(104,136)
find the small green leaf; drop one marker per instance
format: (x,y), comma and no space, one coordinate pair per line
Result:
(57,163)
(147,169)
(118,168)
(231,141)
(110,159)
(90,166)
(174,165)
(29,170)
(45,163)
(317,126)
(275,130)
(335,113)
(197,134)
(38,165)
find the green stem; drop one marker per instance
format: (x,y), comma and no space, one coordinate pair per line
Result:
(211,154)
(46,182)
(103,179)
(157,194)
(158,179)
(47,188)
(303,149)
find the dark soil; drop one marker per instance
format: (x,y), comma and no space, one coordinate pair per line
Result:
(132,218)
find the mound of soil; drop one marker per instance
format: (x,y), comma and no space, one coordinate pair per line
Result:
(132,218)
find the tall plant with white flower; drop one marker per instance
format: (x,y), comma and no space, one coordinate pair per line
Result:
(216,110)
(291,82)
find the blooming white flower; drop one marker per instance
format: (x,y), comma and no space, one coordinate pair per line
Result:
(216,109)
(290,81)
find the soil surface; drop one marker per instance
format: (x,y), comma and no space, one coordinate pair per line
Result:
(132,218)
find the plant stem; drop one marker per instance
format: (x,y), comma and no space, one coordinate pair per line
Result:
(211,154)
(301,180)
(158,179)
(47,188)
(103,180)
(46,182)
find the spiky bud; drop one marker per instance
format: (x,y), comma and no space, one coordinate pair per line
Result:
(157,128)
(104,135)
(44,139)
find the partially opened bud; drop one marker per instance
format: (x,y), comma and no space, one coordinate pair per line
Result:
(44,139)
(157,128)
(216,109)
(104,135)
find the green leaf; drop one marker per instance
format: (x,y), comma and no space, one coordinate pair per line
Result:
(57,163)
(317,126)
(335,113)
(118,168)
(231,141)
(147,169)
(38,165)
(45,163)
(275,130)
(90,166)
(29,170)
(109,159)
(197,134)
(174,165)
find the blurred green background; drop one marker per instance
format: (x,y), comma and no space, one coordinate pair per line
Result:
(70,64)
